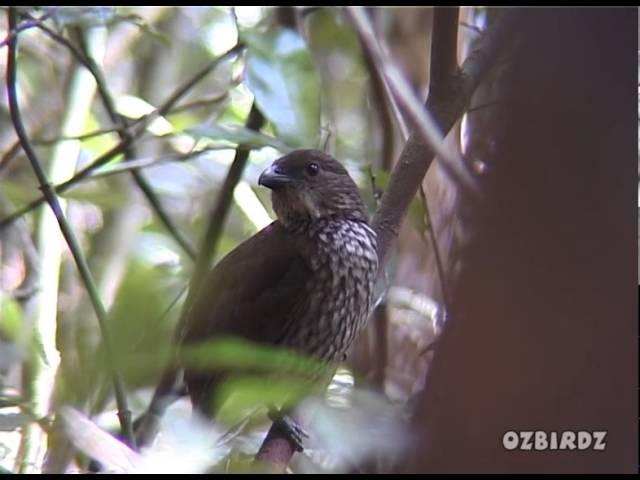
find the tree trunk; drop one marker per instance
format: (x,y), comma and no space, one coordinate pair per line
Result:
(543,331)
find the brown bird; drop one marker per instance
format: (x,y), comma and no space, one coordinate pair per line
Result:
(304,283)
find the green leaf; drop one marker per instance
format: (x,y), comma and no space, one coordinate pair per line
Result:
(97,144)
(282,76)
(258,374)
(235,353)
(237,135)
(83,16)
(18,191)
(238,395)
(346,90)
(138,319)
(101,197)
(415,214)
(10,317)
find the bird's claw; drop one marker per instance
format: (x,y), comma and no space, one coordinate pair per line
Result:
(290,427)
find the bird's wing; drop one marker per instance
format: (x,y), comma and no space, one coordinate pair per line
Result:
(252,292)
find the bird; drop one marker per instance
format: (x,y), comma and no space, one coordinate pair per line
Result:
(303,283)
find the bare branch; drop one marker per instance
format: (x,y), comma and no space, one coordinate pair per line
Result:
(404,95)
(446,105)
(444,67)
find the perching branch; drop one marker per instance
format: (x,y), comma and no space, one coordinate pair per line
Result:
(444,68)
(404,96)
(51,198)
(135,134)
(448,98)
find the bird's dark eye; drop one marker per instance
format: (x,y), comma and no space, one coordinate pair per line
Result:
(313,169)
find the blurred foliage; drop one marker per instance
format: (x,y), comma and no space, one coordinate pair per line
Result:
(254,375)
(416,214)
(313,87)
(141,321)
(282,76)
(10,317)
(344,86)
(238,136)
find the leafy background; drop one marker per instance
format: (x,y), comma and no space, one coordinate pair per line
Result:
(315,89)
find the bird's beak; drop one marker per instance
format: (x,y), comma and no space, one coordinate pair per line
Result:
(273,178)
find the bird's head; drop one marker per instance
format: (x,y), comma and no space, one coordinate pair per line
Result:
(308,185)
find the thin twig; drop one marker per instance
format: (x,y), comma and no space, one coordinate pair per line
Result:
(390,112)
(9,155)
(390,115)
(65,138)
(403,94)
(31,23)
(377,193)
(215,225)
(108,102)
(203,102)
(436,250)
(163,216)
(444,64)
(138,177)
(43,422)
(124,414)
(148,162)
(121,146)
(471,27)
(165,390)
(199,103)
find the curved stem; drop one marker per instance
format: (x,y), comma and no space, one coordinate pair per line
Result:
(50,195)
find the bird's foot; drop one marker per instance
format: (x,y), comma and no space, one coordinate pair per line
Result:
(290,427)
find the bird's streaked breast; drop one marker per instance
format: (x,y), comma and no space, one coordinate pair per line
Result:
(344,260)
